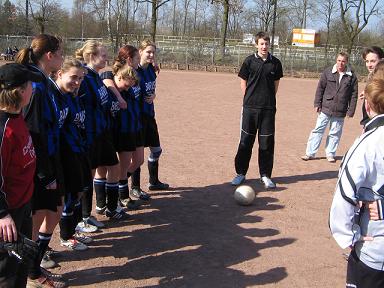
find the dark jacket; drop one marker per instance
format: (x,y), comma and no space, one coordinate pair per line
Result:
(334,98)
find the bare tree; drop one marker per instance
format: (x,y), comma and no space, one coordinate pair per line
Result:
(355,15)
(43,12)
(264,12)
(300,11)
(186,8)
(328,10)
(156,4)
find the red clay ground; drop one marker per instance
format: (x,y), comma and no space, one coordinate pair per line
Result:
(195,235)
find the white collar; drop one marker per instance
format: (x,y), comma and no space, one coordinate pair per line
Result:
(348,71)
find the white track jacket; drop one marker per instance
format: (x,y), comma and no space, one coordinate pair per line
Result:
(361,178)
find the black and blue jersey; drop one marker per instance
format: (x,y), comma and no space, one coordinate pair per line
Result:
(72,126)
(128,120)
(148,86)
(95,99)
(42,118)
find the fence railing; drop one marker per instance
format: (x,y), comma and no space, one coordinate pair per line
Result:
(206,51)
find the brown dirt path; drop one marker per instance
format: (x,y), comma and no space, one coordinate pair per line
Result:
(195,235)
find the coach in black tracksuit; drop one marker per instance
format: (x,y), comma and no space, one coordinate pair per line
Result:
(260,74)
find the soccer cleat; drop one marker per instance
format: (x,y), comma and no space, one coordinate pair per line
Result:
(73,244)
(91,220)
(134,193)
(49,274)
(158,186)
(52,253)
(84,227)
(268,183)
(46,281)
(101,210)
(306,157)
(144,196)
(47,262)
(130,204)
(137,193)
(239,179)
(82,238)
(116,215)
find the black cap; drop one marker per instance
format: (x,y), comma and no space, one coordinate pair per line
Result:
(13,75)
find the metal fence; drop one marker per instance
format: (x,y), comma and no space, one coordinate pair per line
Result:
(204,51)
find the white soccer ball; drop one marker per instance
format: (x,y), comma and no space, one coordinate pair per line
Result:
(244,195)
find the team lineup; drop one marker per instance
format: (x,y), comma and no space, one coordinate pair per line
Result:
(89,131)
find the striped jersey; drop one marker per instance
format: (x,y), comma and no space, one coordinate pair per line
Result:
(94,97)
(128,120)
(42,118)
(71,122)
(148,86)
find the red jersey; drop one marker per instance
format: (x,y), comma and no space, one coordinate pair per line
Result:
(17,162)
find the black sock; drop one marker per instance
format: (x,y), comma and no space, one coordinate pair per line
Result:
(112,191)
(99,184)
(123,189)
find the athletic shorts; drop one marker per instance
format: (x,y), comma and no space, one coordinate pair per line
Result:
(77,172)
(49,199)
(150,131)
(102,151)
(360,275)
(128,142)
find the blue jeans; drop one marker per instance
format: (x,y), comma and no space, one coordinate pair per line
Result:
(333,139)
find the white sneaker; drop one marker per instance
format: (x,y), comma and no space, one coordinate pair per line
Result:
(268,183)
(73,244)
(82,238)
(91,220)
(239,178)
(84,227)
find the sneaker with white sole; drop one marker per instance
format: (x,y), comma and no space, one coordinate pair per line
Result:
(73,244)
(84,227)
(268,183)
(239,179)
(137,193)
(82,238)
(91,220)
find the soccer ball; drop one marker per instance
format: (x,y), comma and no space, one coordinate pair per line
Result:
(244,195)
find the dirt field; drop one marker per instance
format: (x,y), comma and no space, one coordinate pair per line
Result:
(195,235)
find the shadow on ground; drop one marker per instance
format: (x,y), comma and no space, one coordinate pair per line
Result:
(192,237)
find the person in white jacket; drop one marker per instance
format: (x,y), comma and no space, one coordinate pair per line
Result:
(361,180)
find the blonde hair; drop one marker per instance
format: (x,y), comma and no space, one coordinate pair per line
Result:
(10,98)
(90,47)
(374,93)
(72,63)
(146,43)
(126,72)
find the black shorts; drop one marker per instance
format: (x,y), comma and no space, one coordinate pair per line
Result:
(128,142)
(77,172)
(102,151)
(49,199)
(150,131)
(361,275)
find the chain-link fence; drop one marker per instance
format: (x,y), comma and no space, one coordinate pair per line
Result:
(205,53)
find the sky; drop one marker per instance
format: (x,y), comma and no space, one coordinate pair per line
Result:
(373,24)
